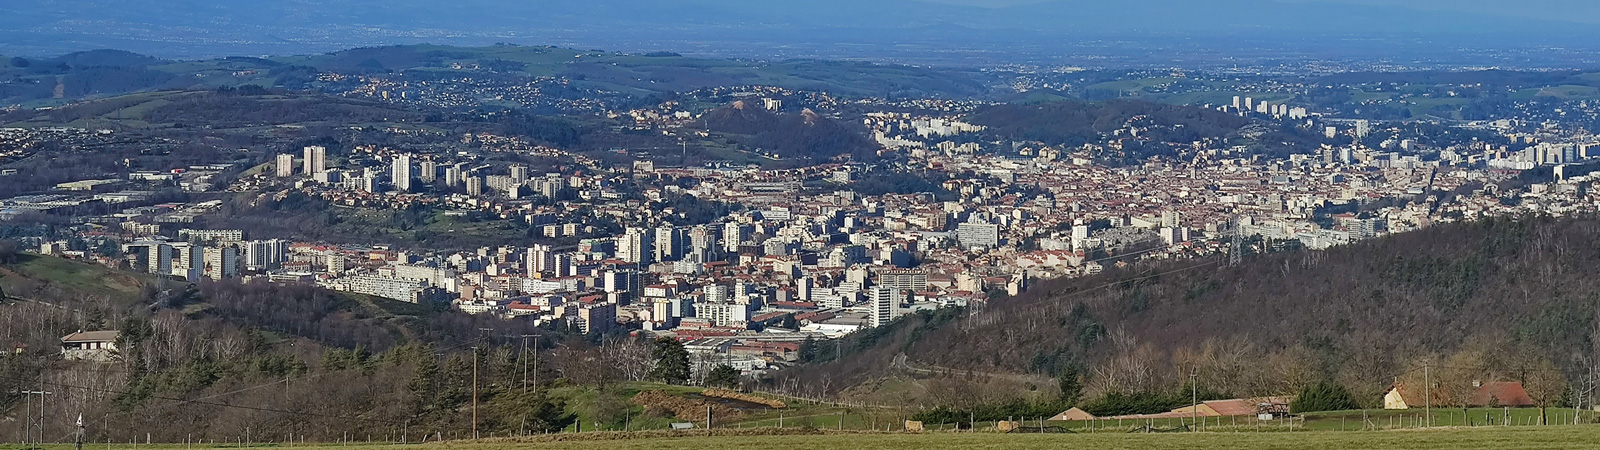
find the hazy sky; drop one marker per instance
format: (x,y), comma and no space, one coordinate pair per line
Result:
(1584,11)
(989,2)
(1587,11)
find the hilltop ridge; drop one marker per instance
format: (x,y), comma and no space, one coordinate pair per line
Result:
(1507,293)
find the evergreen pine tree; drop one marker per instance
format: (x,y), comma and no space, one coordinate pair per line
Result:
(1071,384)
(672,362)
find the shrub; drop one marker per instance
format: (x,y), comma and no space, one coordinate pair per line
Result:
(1324,396)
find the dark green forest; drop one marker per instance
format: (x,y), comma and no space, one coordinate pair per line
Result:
(803,136)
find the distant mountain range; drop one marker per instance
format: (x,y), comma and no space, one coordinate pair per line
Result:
(114,72)
(191,28)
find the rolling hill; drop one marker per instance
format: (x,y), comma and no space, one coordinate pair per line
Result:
(1495,299)
(189,29)
(335,363)
(111,72)
(1143,129)
(804,135)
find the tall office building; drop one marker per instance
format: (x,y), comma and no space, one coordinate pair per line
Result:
(540,259)
(724,314)
(637,245)
(734,234)
(1080,233)
(669,243)
(401,175)
(452,175)
(519,173)
(622,281)
(706,238)
(1171,219)
(717,293)
(977,234)
(160,258)
(660,311)
(562,265)
(804,287)
(368,183)
(904,279)
(429,171)
(336,264)
(285,165)
(190,257)
(316,159)
(680,308)
(265,255)
(596,318)
(883,304)
(222,262)
(549,187)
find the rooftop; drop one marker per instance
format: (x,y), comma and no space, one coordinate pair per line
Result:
(91,336)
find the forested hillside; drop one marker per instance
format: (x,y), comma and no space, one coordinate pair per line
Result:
(229,359)
(1141,129)
(1074,123)
(1506,299)
(806,135)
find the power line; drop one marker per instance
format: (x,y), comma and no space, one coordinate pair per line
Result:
(1125,255)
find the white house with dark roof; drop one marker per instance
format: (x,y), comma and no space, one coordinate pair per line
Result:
(90,346)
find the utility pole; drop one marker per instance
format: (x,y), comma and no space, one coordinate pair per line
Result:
(28,435)
(1194,394)
(27,416)
(1427,395)
(475,381)
(524,361)
(535,364)
(474,392)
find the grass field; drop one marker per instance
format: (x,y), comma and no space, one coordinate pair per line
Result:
(74,276)
(1569,92)
(1554,437)
(1223,97)
(1131,85)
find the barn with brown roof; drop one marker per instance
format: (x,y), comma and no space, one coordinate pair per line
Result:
(1500,393)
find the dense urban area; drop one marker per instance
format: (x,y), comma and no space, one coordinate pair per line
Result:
(758,226)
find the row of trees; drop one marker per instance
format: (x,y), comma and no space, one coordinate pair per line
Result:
(626,358)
